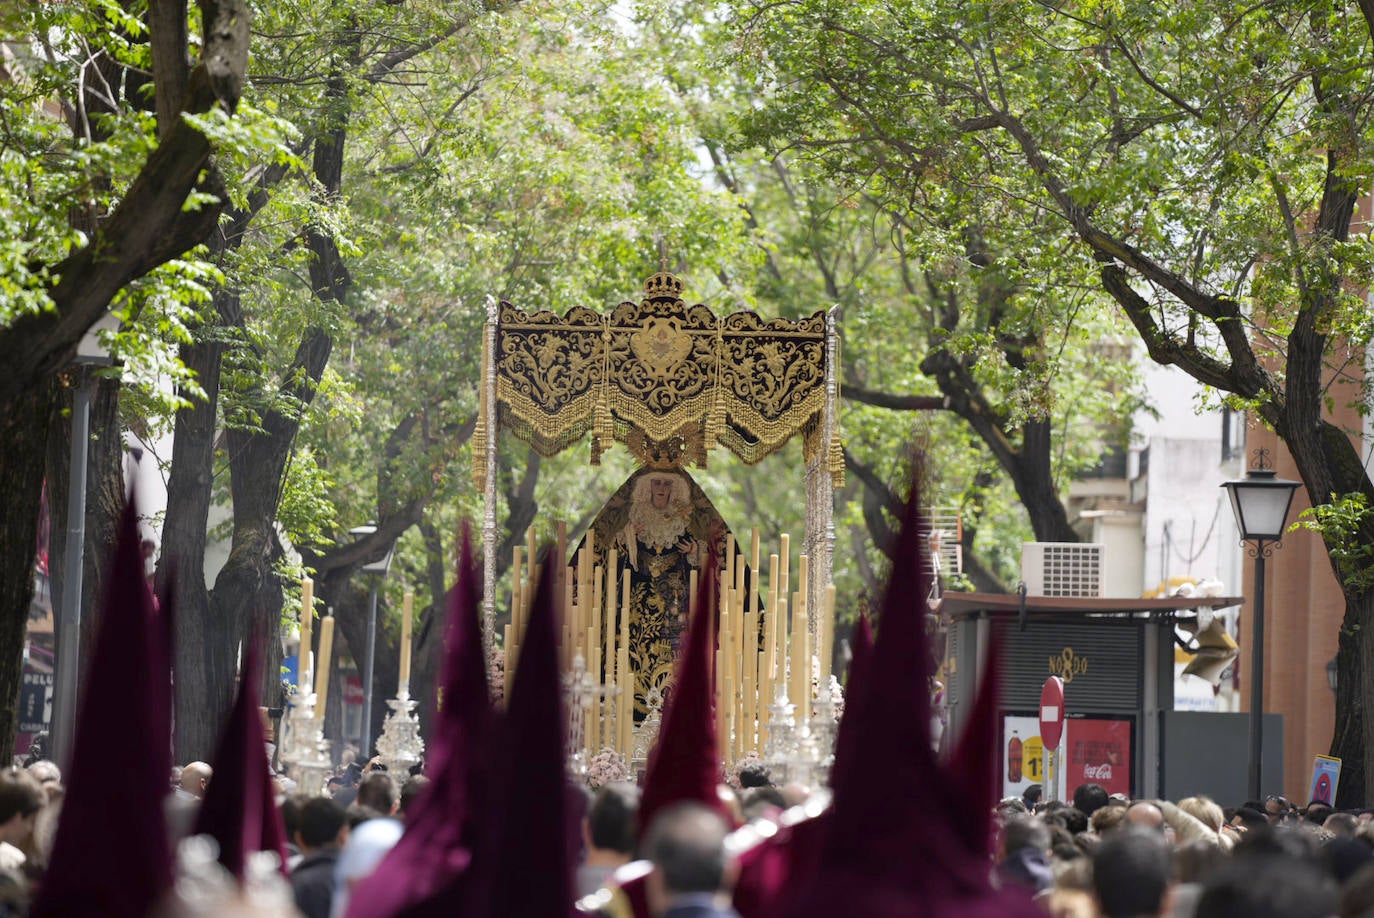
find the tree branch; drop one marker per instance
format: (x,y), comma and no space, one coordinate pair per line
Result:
(147,228)
(893,401)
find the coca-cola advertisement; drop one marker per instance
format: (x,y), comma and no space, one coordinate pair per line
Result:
(1099,752)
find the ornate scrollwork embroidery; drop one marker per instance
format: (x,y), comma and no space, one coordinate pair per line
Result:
(657,370)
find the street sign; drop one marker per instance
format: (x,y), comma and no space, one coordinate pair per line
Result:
(35,702)
(1052,712)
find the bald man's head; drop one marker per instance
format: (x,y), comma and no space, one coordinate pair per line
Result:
(1146,815)
(195,777)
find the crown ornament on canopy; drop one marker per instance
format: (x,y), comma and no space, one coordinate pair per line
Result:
(663,286)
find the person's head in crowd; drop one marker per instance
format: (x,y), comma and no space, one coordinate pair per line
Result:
(1276,805)
(609,828)
(1250,819)
(1062,848)
(1068,902)
(755,774)
(1089,798)
(1205,810)
(290,810)
(762,803)
(1010,808)
(730,801)
(45,772)
(1132,872)
(352,773)
(367,844)
(320,823)
(1022,854)
(1267,886)
(195,778)
(1118,799)
(1071,818)
(1278,841)
(1108,819)
(410,792)
(686,843)
(1357,894)
(795,793)
(1145,814)
(1343,825)
(1087,842)
(21,799)
(1317,812)
(1344,856)
(1031,795)
(377,791)
(1194,860)
(357,814)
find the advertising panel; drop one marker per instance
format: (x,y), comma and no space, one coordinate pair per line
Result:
(1098,751)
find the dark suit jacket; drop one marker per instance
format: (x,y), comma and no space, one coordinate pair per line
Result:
(312,882)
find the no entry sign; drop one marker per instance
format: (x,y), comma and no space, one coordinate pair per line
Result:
(1052,712)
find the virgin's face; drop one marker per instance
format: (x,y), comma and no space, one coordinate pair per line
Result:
(660,491)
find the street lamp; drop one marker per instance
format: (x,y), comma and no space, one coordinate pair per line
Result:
(90,354)
(377,569)
(1260,502)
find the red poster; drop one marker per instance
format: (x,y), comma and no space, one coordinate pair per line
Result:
(1098,752)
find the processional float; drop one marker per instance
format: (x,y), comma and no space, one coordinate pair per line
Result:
(671,382)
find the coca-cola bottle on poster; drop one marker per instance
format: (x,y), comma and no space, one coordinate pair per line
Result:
(1014,758)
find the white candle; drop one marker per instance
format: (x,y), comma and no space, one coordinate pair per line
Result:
(407,610)
(326,656)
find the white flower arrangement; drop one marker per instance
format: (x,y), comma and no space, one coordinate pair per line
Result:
(606,767)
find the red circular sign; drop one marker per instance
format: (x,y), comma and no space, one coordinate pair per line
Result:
(1052,712)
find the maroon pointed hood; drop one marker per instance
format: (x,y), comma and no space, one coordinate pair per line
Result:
(971,766)
(860,655)
(521,866)
(895,847)
(239,810)
(111,856)
(684,763)
(422,874)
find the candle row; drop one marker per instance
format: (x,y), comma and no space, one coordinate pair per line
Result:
(758,651)
(305,658)
(760,654)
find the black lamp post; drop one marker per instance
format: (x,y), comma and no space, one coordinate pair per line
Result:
(377,571)
(1260,502)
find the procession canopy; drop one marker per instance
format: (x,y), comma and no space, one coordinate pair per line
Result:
(660,374)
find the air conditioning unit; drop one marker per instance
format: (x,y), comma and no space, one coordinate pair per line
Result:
(1063,568)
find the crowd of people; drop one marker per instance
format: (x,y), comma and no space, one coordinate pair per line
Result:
(1112,856)
(1097,856)
(491,826)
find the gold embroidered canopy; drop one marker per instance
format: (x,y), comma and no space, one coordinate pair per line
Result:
(670,381)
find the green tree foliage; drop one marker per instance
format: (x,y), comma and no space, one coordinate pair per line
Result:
(1198,162)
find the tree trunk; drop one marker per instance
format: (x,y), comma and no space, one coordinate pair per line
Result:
(1330,466)
(23,441)
(181,567)
(1355,669)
